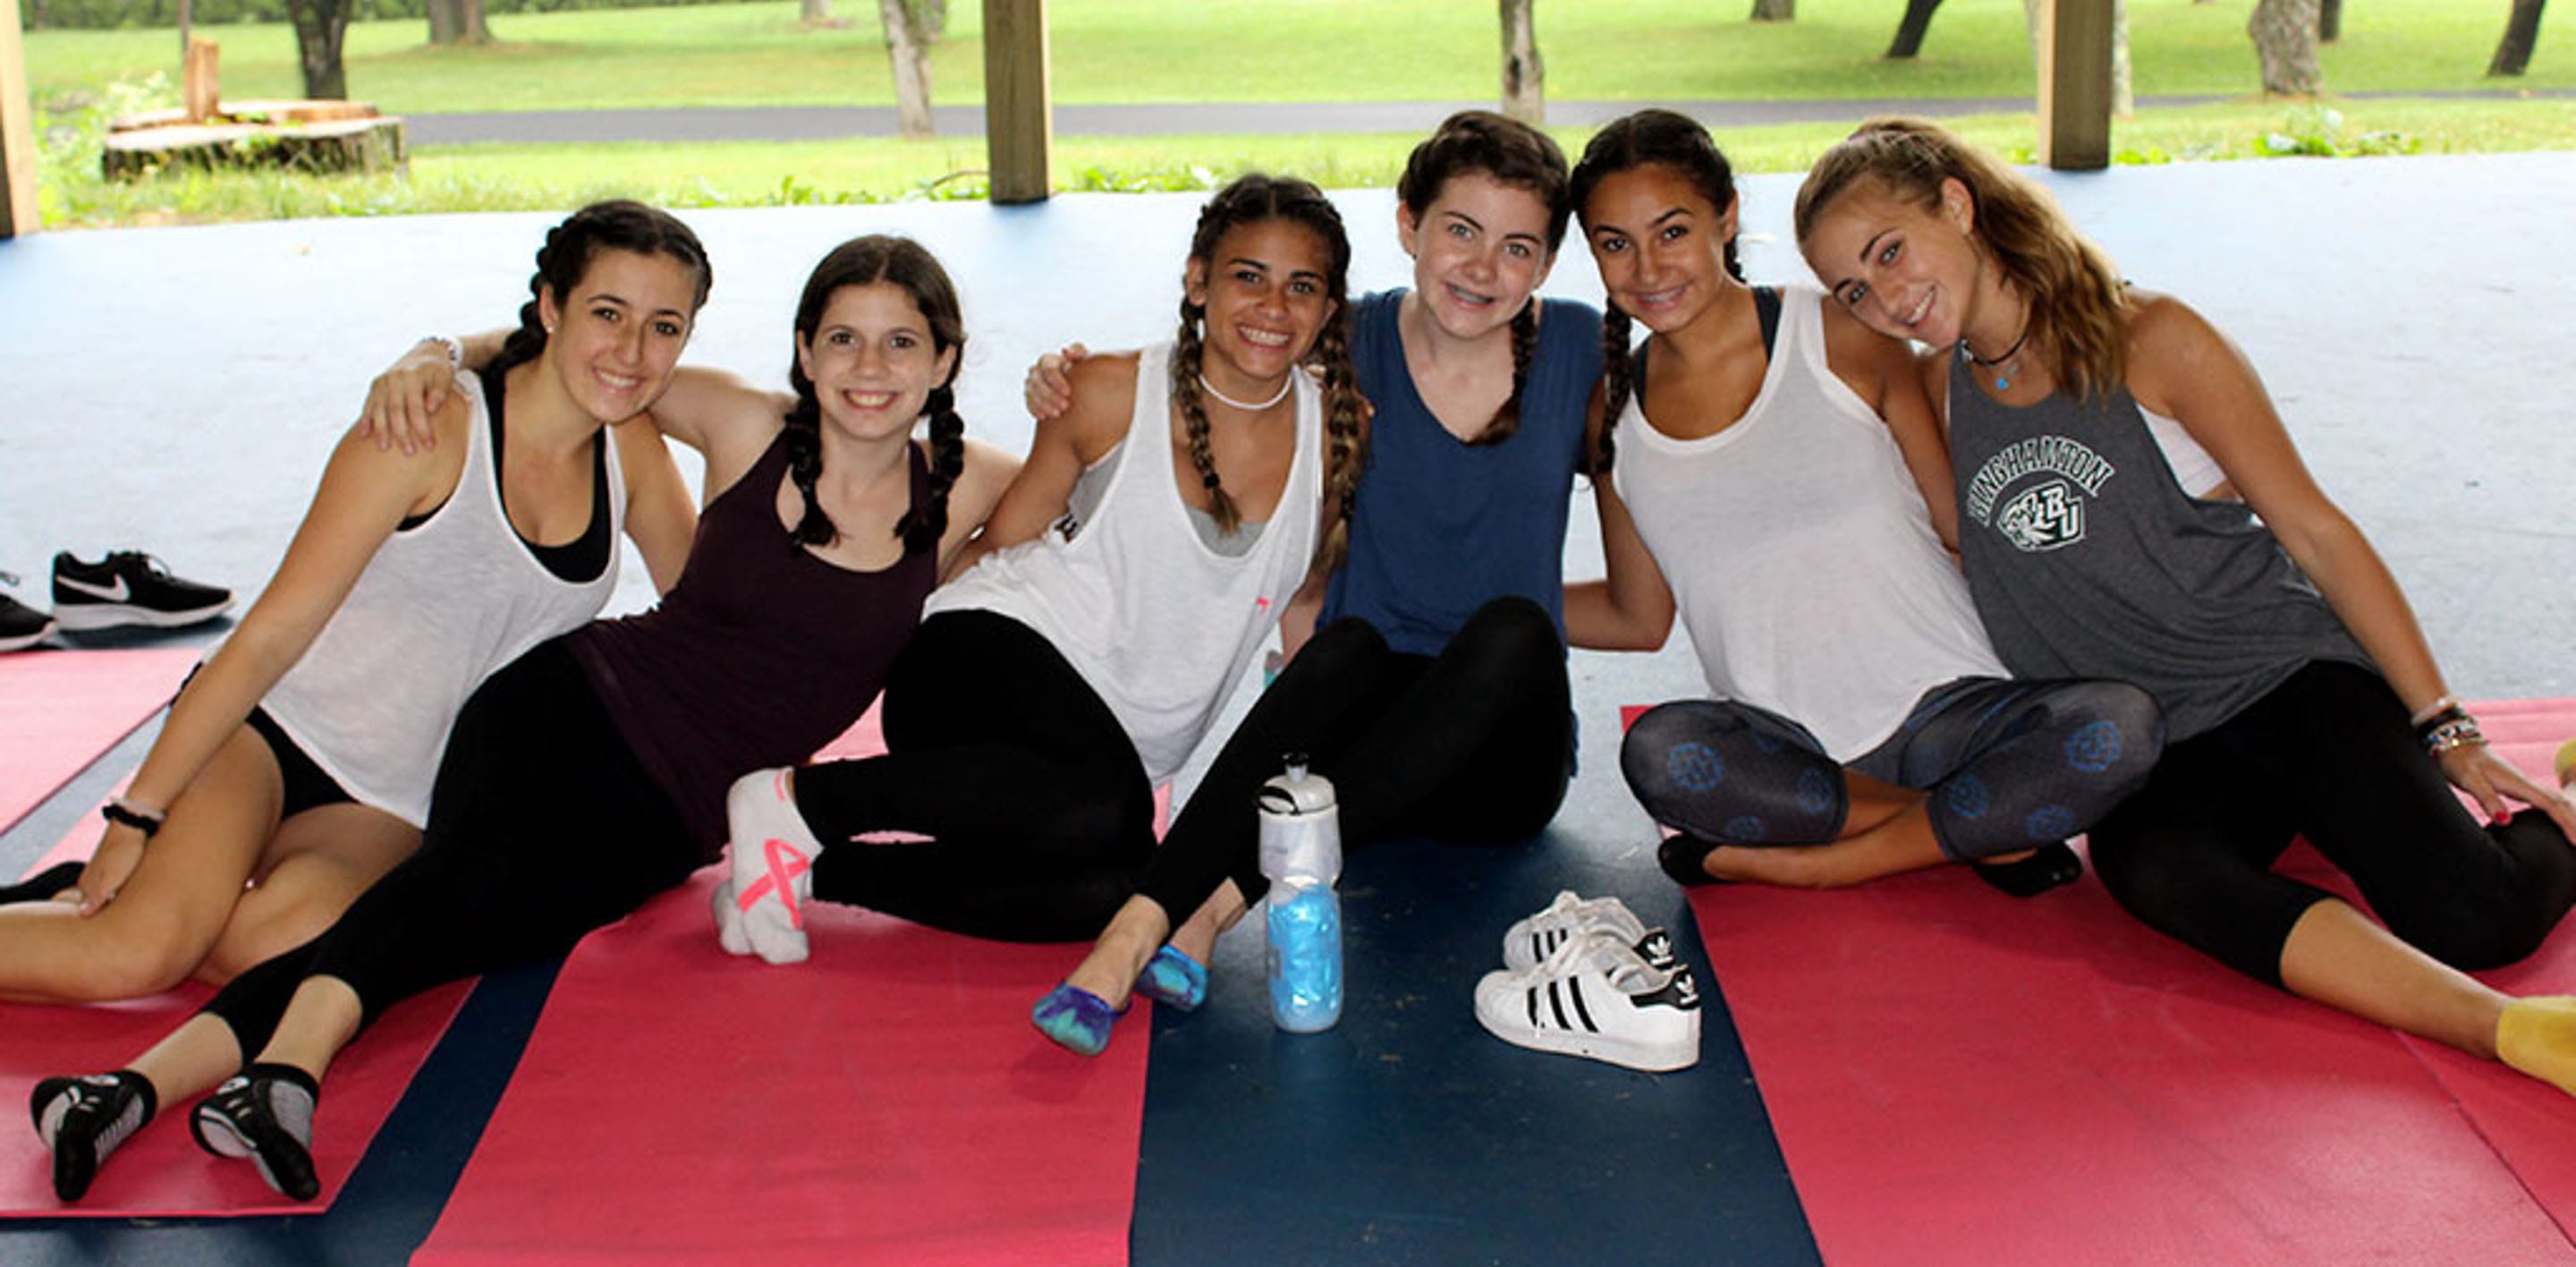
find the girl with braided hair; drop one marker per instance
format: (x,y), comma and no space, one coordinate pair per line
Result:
(590,774)
(1112,604)
(295,766)
(2131,505)
(1783,478)
(1434,693)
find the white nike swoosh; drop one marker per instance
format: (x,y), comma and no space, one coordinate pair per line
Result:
(117,593)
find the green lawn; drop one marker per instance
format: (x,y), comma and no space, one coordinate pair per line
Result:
(1231,50)
(1296,50)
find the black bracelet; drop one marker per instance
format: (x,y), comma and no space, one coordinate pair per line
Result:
(2448,715)
(116,812)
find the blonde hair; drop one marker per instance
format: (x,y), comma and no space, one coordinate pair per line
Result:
(2079,306)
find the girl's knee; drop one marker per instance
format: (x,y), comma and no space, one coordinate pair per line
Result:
(1514,630)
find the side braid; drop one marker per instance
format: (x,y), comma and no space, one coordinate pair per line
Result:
(1616,385)
(528,342)
(923,525)
(1507,419)
(803,436)
(1347,446)
(1187,351)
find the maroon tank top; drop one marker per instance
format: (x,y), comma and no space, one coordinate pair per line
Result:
(760,655)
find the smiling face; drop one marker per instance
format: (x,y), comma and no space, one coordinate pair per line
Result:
(1904,269)
(617,336)
(1266,292)
(1478,251)
(873,360)
(1659,243)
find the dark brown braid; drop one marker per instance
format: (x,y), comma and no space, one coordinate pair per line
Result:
(909,265)
(1347,447)
(1512,153)
(1251,199)
(1615,386)
(1665,139)
(616,225)
(1187,351)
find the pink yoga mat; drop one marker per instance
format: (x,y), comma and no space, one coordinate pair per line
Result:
(60,709)
(160,1172)
(885,1101)
(1960,1076)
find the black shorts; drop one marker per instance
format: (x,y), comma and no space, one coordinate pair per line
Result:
(307,785)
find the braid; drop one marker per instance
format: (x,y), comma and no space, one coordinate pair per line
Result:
(1615,385)
(1348,447)
(923,525)
(528,342)
(1507,418)
(803,435)
(1186,352)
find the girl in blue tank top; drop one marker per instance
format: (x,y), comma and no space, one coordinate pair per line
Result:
(1432,690)
(2301,696)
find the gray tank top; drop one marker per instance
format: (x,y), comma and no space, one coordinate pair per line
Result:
(2087,560)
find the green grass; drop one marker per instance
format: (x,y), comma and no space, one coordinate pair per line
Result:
(1295,50)
(531,177)
(1227,50)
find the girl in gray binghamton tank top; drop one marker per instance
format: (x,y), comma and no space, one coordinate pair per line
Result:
(2300,696)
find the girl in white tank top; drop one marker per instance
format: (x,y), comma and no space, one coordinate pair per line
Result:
(371,634)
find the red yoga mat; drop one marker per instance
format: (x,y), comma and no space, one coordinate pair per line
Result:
(60,709)
(1960,1076)
(885,1101)
(160,1172)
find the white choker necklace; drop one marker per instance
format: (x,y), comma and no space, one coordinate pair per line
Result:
(1246,405)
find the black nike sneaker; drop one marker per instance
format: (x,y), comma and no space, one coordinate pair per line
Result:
(21,626)
(130,588)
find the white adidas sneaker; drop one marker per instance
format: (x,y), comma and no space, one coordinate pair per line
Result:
(1530,941)
(1598,998)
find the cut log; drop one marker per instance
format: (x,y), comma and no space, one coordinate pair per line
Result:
(310,136)
(200,88)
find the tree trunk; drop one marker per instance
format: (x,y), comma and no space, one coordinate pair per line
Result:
(2285,38)
(1774,10)
(457,22)
(186,20)
(814,12)
(2329,21)
(934,20)
(320,25)
(911,56)
(2124,96)
(2030,23)
(2521,31)
(1911,28)
(1524,75)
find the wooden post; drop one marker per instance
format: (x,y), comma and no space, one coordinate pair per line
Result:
(200,91)
(1019,118)
(2075,84)
(18,213)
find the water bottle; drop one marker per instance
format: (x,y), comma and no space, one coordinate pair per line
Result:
(1301,856)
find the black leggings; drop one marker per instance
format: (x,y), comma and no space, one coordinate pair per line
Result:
(1035,802)
(542,827)
(2329,755)
(2010,765)
(1473,745)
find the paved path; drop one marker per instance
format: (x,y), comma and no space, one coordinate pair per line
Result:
(814,123)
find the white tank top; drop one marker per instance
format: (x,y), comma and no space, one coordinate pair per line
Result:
(440,607)
(1158,624)
(1799,552)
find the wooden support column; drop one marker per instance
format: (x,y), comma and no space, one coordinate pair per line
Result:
(1019,116)
(2075,84)
(17,132)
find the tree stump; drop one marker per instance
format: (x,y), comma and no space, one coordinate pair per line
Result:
(201,90)
(308,136)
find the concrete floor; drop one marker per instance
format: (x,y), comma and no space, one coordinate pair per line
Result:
(177,389)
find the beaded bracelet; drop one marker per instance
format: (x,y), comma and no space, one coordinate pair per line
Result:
(125,813)
(2428,722)
(2458,732)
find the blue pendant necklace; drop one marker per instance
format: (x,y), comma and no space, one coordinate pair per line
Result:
(2001,365)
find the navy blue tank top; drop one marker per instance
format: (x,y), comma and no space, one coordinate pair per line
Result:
(1442,527)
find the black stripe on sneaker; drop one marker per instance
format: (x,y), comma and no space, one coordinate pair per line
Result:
(1574,987)
(1556,1004)
(1533,1007)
